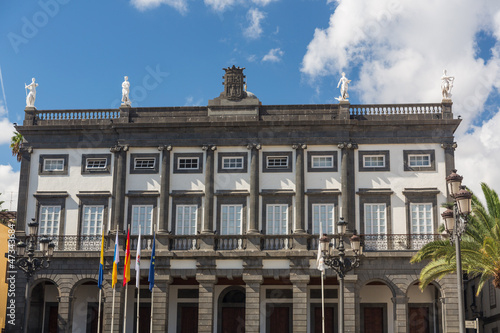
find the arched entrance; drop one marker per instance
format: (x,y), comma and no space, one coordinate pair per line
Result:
(376,307)
(85,307)
(44,308)
(232,310)
(424,309)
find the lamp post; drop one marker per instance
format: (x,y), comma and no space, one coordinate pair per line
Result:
(455,222)
(340,263)
(26,261)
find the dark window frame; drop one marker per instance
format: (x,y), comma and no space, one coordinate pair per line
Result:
(93,199)
(374,196)
(232,200)
(220,162)
(406,159)
(187,199)
(363,153)
(277,199)
(52,199)
(105,170)
(178,156)
(311,154)
(322,199)
(145,198)
(417,196)
(155,156)
(41,168)
(287,154)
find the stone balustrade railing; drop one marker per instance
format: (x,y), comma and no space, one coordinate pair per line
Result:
(77,114)
(395,109)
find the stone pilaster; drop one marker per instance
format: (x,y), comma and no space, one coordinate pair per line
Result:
(63,313)
(253,223)
(22,202)
(208,216)
(449,160)
(447,108)
(400,313)
(299,283)
(252,302)
(351,316)
(206,302)
(160,303)
(348,184)
(450,292)
(299,185)
(165,187)
(119,177)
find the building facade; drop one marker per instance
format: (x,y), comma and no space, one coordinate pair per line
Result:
(236,191)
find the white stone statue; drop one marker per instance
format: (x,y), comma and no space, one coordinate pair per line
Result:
(126,91)
(31,96)
(344,86)
(446,85)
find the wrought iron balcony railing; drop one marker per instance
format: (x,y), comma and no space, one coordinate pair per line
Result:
(371,243)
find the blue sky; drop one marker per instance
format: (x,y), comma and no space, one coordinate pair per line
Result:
(173,51)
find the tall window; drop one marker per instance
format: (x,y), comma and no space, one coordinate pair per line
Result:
(50,217)
(421,218)
(92,220)
(323,213)
(231,219)
(186,219)
(142,215)
(375,219)
(277,219)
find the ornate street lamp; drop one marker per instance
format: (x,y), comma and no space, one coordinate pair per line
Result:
(340,263)
(455,222)
(26,261)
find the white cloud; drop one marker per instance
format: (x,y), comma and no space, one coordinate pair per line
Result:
(398,49)
(180,5)
(219,5)
(6,131)
(263,2)
(274,55)
(9,185)
(254,30)
(477,156)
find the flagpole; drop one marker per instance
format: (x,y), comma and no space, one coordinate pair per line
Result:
(322,302)
(138,298)
(152,304)
(99,313)
(114,293)
(125,283)
(138,274)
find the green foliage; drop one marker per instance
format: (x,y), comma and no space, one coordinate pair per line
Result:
(15,145)
(480,246)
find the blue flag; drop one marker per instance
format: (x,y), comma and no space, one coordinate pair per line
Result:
(101,263)
(151,277)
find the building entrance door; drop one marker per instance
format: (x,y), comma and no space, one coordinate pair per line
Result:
(419,319)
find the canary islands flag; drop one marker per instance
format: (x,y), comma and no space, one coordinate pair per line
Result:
(116,260)
(126,267)
(101,263)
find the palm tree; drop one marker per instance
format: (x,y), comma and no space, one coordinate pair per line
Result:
(15,145)
(480,246)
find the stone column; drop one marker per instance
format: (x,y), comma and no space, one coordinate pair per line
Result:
(449,160)
(400,313)
(253,223)
(351,316)
(252,302)
(348,184)
(208,216)
(299,302)
(206,302)
(299,188)
(119,177)
(160,303)
(22,201)
(165,188)
(447,108)
(63,313)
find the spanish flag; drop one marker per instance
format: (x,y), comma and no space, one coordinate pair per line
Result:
(126,268)
(101,263)
(116,260)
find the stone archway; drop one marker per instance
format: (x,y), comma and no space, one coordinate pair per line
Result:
(43,310)
(231,310)
(376,307)
(424,309)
